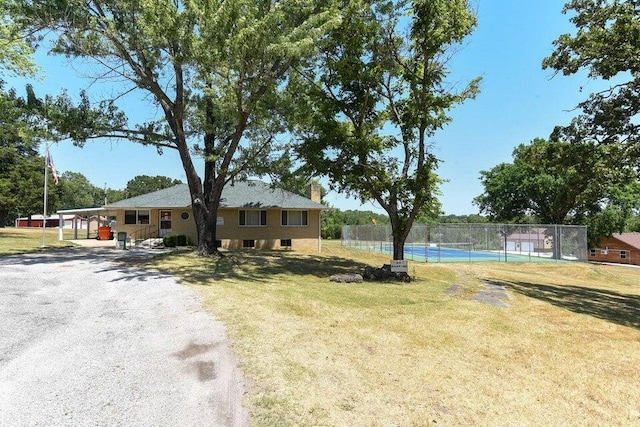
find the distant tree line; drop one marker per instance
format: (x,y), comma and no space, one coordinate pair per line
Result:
(555,182)
(22,176)
(334,219)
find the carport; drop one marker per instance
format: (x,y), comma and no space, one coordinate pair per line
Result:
(88,213)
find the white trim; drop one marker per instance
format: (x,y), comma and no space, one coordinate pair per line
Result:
(137,211)
(259,211)
(289,211)
(83,210)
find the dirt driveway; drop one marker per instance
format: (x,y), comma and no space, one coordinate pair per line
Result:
(87,341)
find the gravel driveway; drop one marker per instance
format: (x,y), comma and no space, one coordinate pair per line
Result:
(85,341)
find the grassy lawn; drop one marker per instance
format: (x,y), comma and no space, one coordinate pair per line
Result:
(565,350)
(22,240)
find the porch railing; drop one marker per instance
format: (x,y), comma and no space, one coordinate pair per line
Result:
(143,234)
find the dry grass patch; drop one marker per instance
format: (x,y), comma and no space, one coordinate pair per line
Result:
(564,352)
(22,240)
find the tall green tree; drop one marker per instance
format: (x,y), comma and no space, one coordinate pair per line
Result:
(15,52)
(615,214)
(213,68)
(76,191)
(559,183)
(607,45)
(333,219)
(633,224)
(143,184)
(21,168)
(375,96)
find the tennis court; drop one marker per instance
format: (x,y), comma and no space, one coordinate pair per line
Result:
(447,254)
(476,242)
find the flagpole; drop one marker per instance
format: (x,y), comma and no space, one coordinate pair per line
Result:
(46,184)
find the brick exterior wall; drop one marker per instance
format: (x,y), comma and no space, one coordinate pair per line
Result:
(231,234)
(303,238)
(613,248)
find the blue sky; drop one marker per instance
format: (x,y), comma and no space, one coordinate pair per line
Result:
(518,102)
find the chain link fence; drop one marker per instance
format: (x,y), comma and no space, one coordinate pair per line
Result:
(476,242)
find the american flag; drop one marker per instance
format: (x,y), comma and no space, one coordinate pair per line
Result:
(52,166)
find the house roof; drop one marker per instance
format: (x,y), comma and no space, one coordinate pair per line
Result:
(246,194)
(631,239)
(537,233)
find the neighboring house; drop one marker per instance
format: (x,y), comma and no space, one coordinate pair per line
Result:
(68,221)
(536,240)
(621,248)
(251,215)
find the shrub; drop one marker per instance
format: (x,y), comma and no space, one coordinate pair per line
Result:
(169,241)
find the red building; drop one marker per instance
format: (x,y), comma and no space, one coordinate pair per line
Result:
(70,221)
(621,248)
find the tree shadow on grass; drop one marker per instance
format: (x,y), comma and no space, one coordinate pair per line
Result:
(612,306)
(261,266)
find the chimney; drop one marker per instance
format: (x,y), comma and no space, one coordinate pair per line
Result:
(315,192)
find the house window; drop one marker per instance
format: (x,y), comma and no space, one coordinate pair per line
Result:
(285,243)
(623,254)
(184,215)
(295,218)
(249,243)
(136,217)
(143,217)
(253,218)
(130,217)
(593,252)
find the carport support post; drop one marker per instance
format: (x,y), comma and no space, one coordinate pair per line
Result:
(60,226)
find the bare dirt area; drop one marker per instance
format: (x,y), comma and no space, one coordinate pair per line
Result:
(88,341)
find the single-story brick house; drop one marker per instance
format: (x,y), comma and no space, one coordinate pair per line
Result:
(251,215)
(621,248)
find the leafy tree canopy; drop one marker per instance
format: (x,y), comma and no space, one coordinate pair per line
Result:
(15,52)
(21,168)
(334,219)
(143,184)
(560,182)
(375,95)
(607,45)
(214,69)
(633,224)
(75,191)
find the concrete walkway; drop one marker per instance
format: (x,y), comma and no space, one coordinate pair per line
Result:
(85,340)
(94,243)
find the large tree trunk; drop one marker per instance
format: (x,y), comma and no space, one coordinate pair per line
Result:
(4,217)
(398,248)
(206,230)
(399,233)
(207,217)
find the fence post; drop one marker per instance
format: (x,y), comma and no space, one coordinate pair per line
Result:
(426,243)
(470,240)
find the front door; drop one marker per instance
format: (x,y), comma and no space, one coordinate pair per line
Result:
(165,223)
